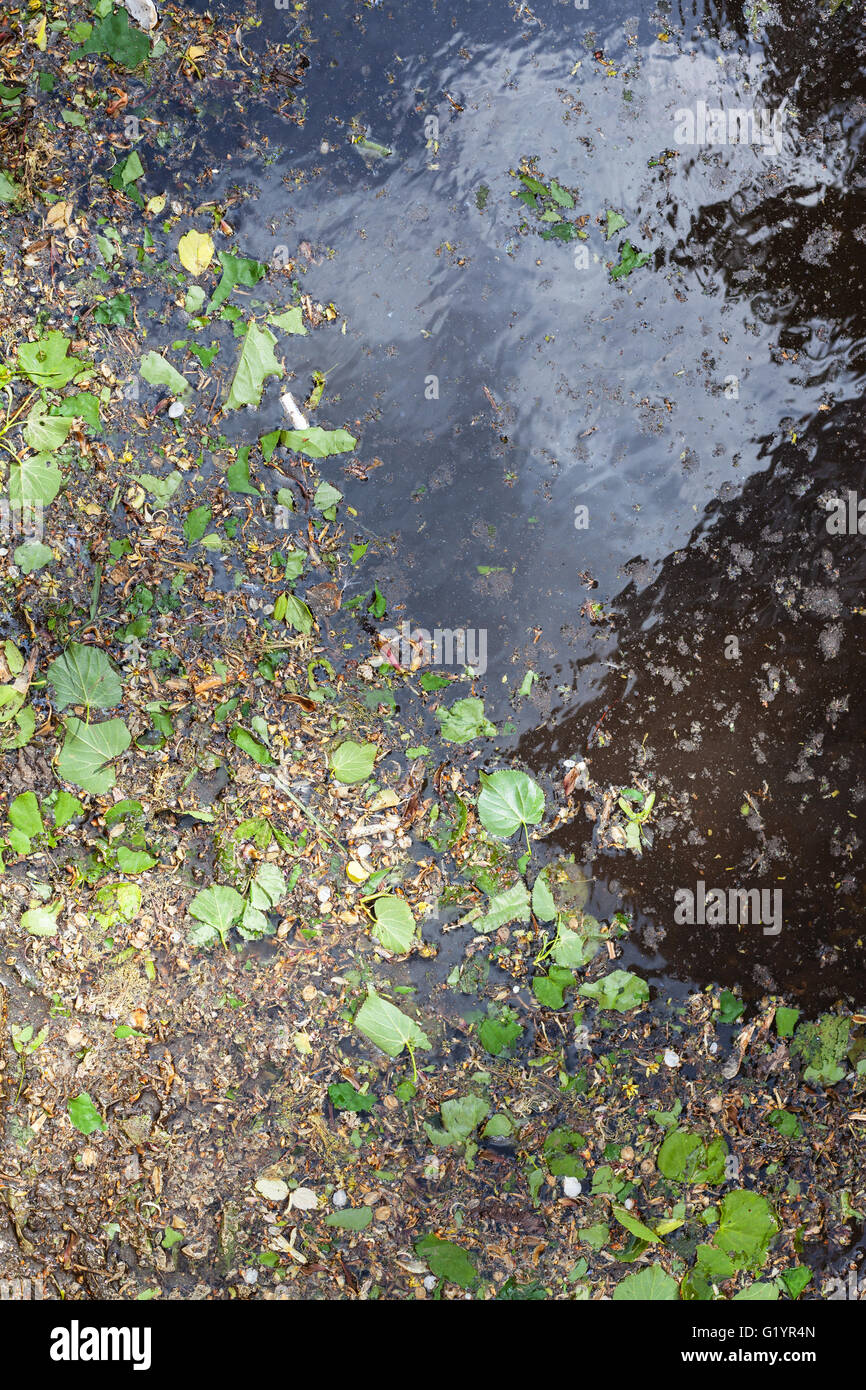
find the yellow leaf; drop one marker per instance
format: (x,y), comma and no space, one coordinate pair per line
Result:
(156,204)
(39,37)
(195,250)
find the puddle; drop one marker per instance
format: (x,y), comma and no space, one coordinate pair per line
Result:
(701,411)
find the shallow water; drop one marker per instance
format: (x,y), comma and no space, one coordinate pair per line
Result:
(702,409)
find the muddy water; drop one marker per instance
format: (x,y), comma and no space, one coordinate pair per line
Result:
(701,410)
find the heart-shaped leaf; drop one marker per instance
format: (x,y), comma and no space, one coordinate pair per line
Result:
(195,252)
(353,762)
(218,907)
(387,1027)
(394,925)
(508,801)
(86,751)
(84,676)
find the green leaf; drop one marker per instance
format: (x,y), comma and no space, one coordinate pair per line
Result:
(629,260)
(133,861)
(237,270)
(41,921)
(508,801)
(637,1228)
(353,762)
(548,992)
(753,1293)
(460,1118)
(84,1114)
(292,321)
(31,556)
(86,751)
(786,1021)
(388,1028)
(577,948)
(257,362)
(268,886)
(65,809)
(115,311)
(157,372)
(250,745)
(83,675)
(34,480)
(465,720)
(560,196)
(327,498)
(318,443)
(44,432)
(650,1285)
(512,905)
(730,1007)
(746,1228)
(9,189)
(238,474)
(218,907)
(25,815)
(394,925)
(446,1260)
(294,612)
(351,1218)
(196,523)
(499,1032)
(344,1096)
(46,363)
(620,990)
(163,489)
(615,223)
(542,899)
(117,39)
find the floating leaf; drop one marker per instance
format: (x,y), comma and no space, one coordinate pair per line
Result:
(510,906)
(615,223)
(83,675)
(218,907)
(388,1028)
(446,1260)
(344,1096)
(650,1285)
(34,480)
(237,270)
(351,1218)
(318,443)
(115,37)
(46,362)
(629,260)
(394,925)
(195,252)
(465,720)
(31,556)
(257,362)
(353,762)
(620,990)
(508,801)
(746,1228)
(157,372)
(86,751)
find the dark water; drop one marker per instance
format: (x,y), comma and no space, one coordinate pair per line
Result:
(702,409)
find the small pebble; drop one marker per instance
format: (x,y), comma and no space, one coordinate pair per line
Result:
(672,1059)
(430,1282)
(571,1187)
(323,894)
(175,410)
(340,1198)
